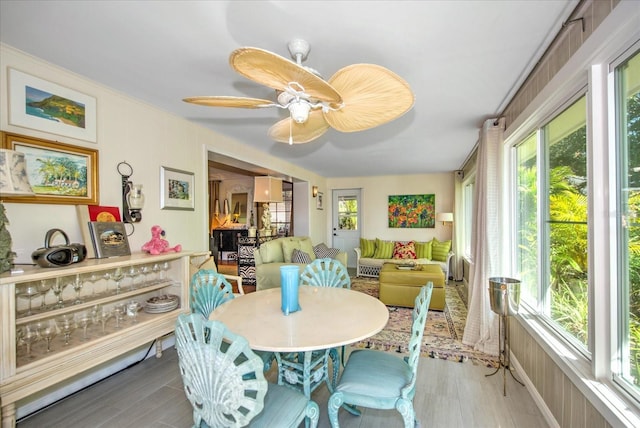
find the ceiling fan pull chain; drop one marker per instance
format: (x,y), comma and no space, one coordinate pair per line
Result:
(291,132)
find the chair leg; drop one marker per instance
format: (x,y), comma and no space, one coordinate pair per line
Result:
(405,407)
(335,363)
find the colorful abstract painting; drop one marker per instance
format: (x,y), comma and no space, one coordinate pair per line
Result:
(412,211)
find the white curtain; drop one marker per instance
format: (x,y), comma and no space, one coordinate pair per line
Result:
(481,329)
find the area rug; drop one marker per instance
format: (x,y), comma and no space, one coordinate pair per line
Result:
(442,334)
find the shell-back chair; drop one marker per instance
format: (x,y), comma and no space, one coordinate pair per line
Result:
(307,370)
(210,289)
(224,382)
(380,380)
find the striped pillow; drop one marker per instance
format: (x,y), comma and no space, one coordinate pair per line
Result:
(423,250)
(322,251)
(440,250)
(299,256)
(384,249)
(367,247)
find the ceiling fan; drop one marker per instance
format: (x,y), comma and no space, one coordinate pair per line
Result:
(356,98)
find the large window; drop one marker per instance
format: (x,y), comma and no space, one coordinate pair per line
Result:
(552,223)
(627,77)
(467,203)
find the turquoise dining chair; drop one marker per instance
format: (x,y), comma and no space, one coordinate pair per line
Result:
(224,382)
(327,272)
(307,370)
(210,289)
(381,380)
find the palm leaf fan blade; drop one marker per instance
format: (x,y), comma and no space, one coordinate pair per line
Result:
(239,102)
(372,96)
(277,72)
(301,133)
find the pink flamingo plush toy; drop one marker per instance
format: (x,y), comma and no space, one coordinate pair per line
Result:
(157,244)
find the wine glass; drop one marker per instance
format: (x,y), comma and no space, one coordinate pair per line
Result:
(83,319)
(117,276)
(67,324)
(44,286)
(156,271)
(119,312)
(58,288)
(77,287)
(29,291)
(132,310)
(47,330)
(103,316)
(164,269)
(132,273)
(92,278)
(29,336)
(145,271)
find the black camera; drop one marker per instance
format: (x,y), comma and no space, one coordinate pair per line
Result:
(58,255)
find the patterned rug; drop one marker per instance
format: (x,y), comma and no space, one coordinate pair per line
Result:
(442,333)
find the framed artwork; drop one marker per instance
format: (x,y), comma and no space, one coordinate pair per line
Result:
(109,239)
(177,189)
(412,211)
(45,106)
(58,173)
(320,201)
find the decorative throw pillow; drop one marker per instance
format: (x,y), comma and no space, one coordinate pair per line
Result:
(307,247)
(271,252)
(367,247)
(299,256)
(404,250)
(321,251)
(423,250)
(384,249)
(288,245)
(440,250)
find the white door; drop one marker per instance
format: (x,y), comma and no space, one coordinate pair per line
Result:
(346,222)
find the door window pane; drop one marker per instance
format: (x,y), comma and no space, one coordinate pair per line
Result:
(347,212)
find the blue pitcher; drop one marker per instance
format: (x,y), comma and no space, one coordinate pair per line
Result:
(289,281)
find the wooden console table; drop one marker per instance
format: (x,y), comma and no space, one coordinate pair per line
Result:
(31,364)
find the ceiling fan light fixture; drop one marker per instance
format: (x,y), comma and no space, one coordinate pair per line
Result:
(299,111)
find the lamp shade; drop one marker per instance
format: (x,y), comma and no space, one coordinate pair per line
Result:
(267,189)
(444,217)
(13,174)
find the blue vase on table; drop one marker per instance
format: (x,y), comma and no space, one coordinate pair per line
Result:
(289,281)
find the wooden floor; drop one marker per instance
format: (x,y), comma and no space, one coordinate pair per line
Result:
(150,394)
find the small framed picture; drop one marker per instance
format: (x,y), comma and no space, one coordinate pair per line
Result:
(45,106)
(109,239)
(177,189)
(320,201)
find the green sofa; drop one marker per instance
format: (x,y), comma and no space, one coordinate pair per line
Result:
(278,252)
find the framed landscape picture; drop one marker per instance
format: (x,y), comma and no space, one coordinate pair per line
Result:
(45,106)
(412,211)
(177,189)
(58,173)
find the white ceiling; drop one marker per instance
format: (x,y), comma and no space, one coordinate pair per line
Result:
(463,60)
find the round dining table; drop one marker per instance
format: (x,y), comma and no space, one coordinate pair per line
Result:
(329,317)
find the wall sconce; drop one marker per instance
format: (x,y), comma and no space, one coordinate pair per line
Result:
(444,218)
(314,191)
(132,196)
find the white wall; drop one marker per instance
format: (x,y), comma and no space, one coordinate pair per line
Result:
(146,138)
(375,193)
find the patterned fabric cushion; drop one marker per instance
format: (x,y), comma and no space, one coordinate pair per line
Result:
(367,247)
(299,256)
(404,250)
(322,251)
(440,250)
(384,249)
(423,250)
